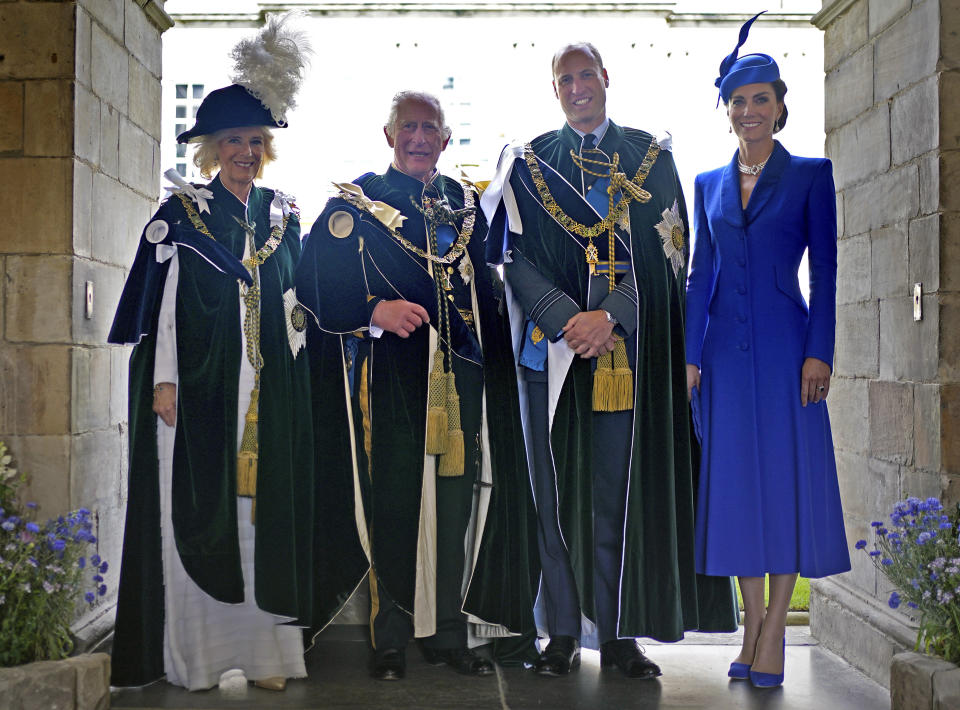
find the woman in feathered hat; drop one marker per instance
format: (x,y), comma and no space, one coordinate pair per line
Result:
(216,568)
(759,362)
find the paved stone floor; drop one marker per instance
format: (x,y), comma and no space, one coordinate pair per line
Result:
(694,676)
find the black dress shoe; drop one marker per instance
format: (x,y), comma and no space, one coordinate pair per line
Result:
(627,656)
(561,656)
(388,664)
(462,660)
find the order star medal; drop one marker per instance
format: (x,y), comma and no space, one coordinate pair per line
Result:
(672,234)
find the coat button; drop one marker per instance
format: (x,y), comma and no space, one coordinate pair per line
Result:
(744,345)
(741,290)
(742,262)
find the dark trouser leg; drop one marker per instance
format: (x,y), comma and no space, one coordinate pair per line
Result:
(611,456)
(390,626)
(610,462)
(454,505)
(558,587)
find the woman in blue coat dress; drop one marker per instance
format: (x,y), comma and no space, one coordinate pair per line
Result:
(759,360)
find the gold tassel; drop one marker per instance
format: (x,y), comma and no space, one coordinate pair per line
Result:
(247,457)
(613,381)
(451,462)
(437,419)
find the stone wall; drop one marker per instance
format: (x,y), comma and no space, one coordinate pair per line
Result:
(79,175)
(892,133)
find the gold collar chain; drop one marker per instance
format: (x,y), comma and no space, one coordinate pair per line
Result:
(632,189)
(458,247)
(261,255)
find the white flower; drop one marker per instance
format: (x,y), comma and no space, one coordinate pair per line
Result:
(672,237)
(465,269)
(296,317)
(48,588)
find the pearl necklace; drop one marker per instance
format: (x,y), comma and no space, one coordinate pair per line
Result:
(751,169)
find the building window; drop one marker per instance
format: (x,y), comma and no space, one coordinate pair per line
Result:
(187,99)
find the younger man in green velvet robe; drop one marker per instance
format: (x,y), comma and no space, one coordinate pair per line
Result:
(591,227)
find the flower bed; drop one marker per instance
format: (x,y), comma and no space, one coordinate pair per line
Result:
(919,552)
(45,570)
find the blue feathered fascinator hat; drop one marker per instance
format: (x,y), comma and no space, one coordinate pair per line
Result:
(748,69)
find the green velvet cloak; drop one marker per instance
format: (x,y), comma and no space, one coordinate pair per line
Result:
(661,595)
(344,274)
(205,450)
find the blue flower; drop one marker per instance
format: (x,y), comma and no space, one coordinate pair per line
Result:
(82,562)
(876,524)
(58,545)
(104,567)
(89,596)
(886,561)
(912,605)
(874,553)
(102,589)
(881,531)
(31,505)
(33,527)
(894,601)
(924,538)
(8,525)
(95,559)
(934,504)
(97,578)
(861,544)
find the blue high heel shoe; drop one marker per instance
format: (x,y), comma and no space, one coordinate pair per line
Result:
(739,671)
(768,680)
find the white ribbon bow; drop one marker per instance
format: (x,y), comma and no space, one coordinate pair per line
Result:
(200,195)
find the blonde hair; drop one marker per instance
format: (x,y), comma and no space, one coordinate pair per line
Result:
(205,156)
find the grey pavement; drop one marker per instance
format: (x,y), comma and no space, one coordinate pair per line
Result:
(694,676)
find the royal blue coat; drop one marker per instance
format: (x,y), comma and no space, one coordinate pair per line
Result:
(768,498)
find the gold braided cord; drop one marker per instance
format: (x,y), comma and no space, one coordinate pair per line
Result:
(458,247)
(631,190)
(248,453)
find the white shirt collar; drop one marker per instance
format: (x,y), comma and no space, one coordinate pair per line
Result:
(600,131)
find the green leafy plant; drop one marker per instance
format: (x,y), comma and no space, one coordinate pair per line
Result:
(45,571)
(919,552)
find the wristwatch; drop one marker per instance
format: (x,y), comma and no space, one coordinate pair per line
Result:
(610,317)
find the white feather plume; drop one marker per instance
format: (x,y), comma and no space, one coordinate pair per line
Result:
(271,65)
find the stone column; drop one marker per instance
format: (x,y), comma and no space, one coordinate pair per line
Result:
(892,94)
(79,175)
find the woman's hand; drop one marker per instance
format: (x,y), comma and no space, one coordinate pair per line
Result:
(165,402)
(399,317)
(693,380)
(814,381)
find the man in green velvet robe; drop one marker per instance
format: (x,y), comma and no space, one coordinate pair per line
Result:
(590,225)
(394,270)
